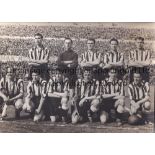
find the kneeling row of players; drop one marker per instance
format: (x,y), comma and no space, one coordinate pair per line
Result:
(90,100)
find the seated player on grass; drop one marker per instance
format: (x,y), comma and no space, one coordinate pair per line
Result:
(35,96)
(57,96)
(112,98)
(139,99)
(11,91)
(86,103)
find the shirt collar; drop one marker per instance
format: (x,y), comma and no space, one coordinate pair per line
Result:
(41,46)
(69,50)
(113,51)
(139,85)
(140,49)
(91,51)
(86,82)
(110,80)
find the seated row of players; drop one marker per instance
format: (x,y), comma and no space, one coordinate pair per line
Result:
(93,100)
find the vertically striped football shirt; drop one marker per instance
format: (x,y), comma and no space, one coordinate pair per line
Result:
(137,55)
(110,87)
(57,86)
(86,89)
(41,53)
(113,57)
(90,56)
(12,88)
(138,92)
(36,89)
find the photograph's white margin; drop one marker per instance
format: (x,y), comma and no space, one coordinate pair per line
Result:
(77,11)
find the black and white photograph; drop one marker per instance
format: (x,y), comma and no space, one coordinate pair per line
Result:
(76,77)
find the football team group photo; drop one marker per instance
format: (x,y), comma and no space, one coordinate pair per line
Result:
(77,73)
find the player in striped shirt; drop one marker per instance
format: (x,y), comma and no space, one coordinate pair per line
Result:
(90,58)
(11,91)
(139,97)
(140,59)
(86,103)
(36,94)
(113,58)
(112,98)
(39,55)
(57,96)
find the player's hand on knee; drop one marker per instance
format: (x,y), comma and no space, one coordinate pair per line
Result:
(132,102)
(80,103)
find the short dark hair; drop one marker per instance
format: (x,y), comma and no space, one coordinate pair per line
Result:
(39,34)
(113,39)
(91,39)
(139,38)
(67,38)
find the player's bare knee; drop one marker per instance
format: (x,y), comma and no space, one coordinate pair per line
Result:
(64,100)
(95,101)
(24,107)
(119,102)
(120,109)
(64,103)
(95,105)
(19,104)
(147,105)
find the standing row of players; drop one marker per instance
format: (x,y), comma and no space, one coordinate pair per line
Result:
(59,94)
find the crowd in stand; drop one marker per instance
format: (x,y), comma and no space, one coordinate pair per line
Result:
(79,31)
